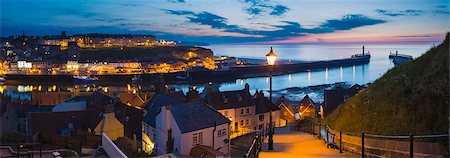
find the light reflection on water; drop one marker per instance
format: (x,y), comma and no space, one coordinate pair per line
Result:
(359,74)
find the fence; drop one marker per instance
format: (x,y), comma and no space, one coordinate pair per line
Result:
(74,143)
(256,146)
(378,145)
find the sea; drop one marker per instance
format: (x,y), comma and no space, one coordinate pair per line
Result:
(294,85)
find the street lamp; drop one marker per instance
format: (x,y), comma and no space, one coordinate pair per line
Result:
(271,59)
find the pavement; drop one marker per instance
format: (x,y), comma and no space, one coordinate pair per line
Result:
(289,143)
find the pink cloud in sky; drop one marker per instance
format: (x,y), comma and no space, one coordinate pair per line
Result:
(348,38)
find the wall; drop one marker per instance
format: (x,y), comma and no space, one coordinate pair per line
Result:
(207,137)
(148,139)
(275,118)
(111,126)
(245,116)
(164,121)
(110,148)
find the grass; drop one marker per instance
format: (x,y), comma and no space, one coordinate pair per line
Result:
(410,98)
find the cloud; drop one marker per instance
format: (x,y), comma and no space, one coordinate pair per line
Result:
(260,7)
(205,18)
(408,12)
(289,29)
(349,22)
(177,1)
(279,10)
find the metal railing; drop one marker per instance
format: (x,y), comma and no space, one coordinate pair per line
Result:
(377,145)
(256,146)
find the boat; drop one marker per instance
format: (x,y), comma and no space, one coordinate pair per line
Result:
(85,79)
(399,59)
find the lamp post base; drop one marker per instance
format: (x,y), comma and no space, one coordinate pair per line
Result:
(270,138)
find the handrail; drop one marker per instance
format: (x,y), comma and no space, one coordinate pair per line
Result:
(251,147)
(332,134)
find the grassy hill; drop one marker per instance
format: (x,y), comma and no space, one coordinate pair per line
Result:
(410,98)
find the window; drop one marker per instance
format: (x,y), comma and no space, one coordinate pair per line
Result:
(247,122)
(200,137)
(242,111)
(242,122)
(261,117)
(221,132)
(194,138)
(247,110)
(197,138)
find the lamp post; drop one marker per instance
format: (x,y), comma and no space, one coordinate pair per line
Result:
(271,59)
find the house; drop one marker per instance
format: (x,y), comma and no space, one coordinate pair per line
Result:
(262,114)
(335,97)
(152,109)
(287,111)
(131,117)
(306,108)
(8,116)
(237,106)
(92,114)
(188,126)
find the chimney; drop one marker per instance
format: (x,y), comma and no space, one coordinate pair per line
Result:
(396,53)
(247,87)
(193,95)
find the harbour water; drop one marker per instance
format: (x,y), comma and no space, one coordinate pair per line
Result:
(360,74)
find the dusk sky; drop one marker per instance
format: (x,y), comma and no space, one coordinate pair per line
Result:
(236,21)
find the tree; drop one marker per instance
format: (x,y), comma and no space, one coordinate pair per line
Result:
(170,140)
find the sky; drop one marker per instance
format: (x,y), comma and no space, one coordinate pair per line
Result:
(235,21)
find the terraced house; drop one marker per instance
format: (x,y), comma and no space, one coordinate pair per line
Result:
(237,106)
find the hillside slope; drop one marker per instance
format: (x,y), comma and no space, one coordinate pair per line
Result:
(410,98)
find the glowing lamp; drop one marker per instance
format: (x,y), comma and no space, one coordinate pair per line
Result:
(271,57)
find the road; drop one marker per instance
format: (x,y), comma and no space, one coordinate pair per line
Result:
(298,144)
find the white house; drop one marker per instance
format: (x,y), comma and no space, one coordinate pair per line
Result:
(192,124)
